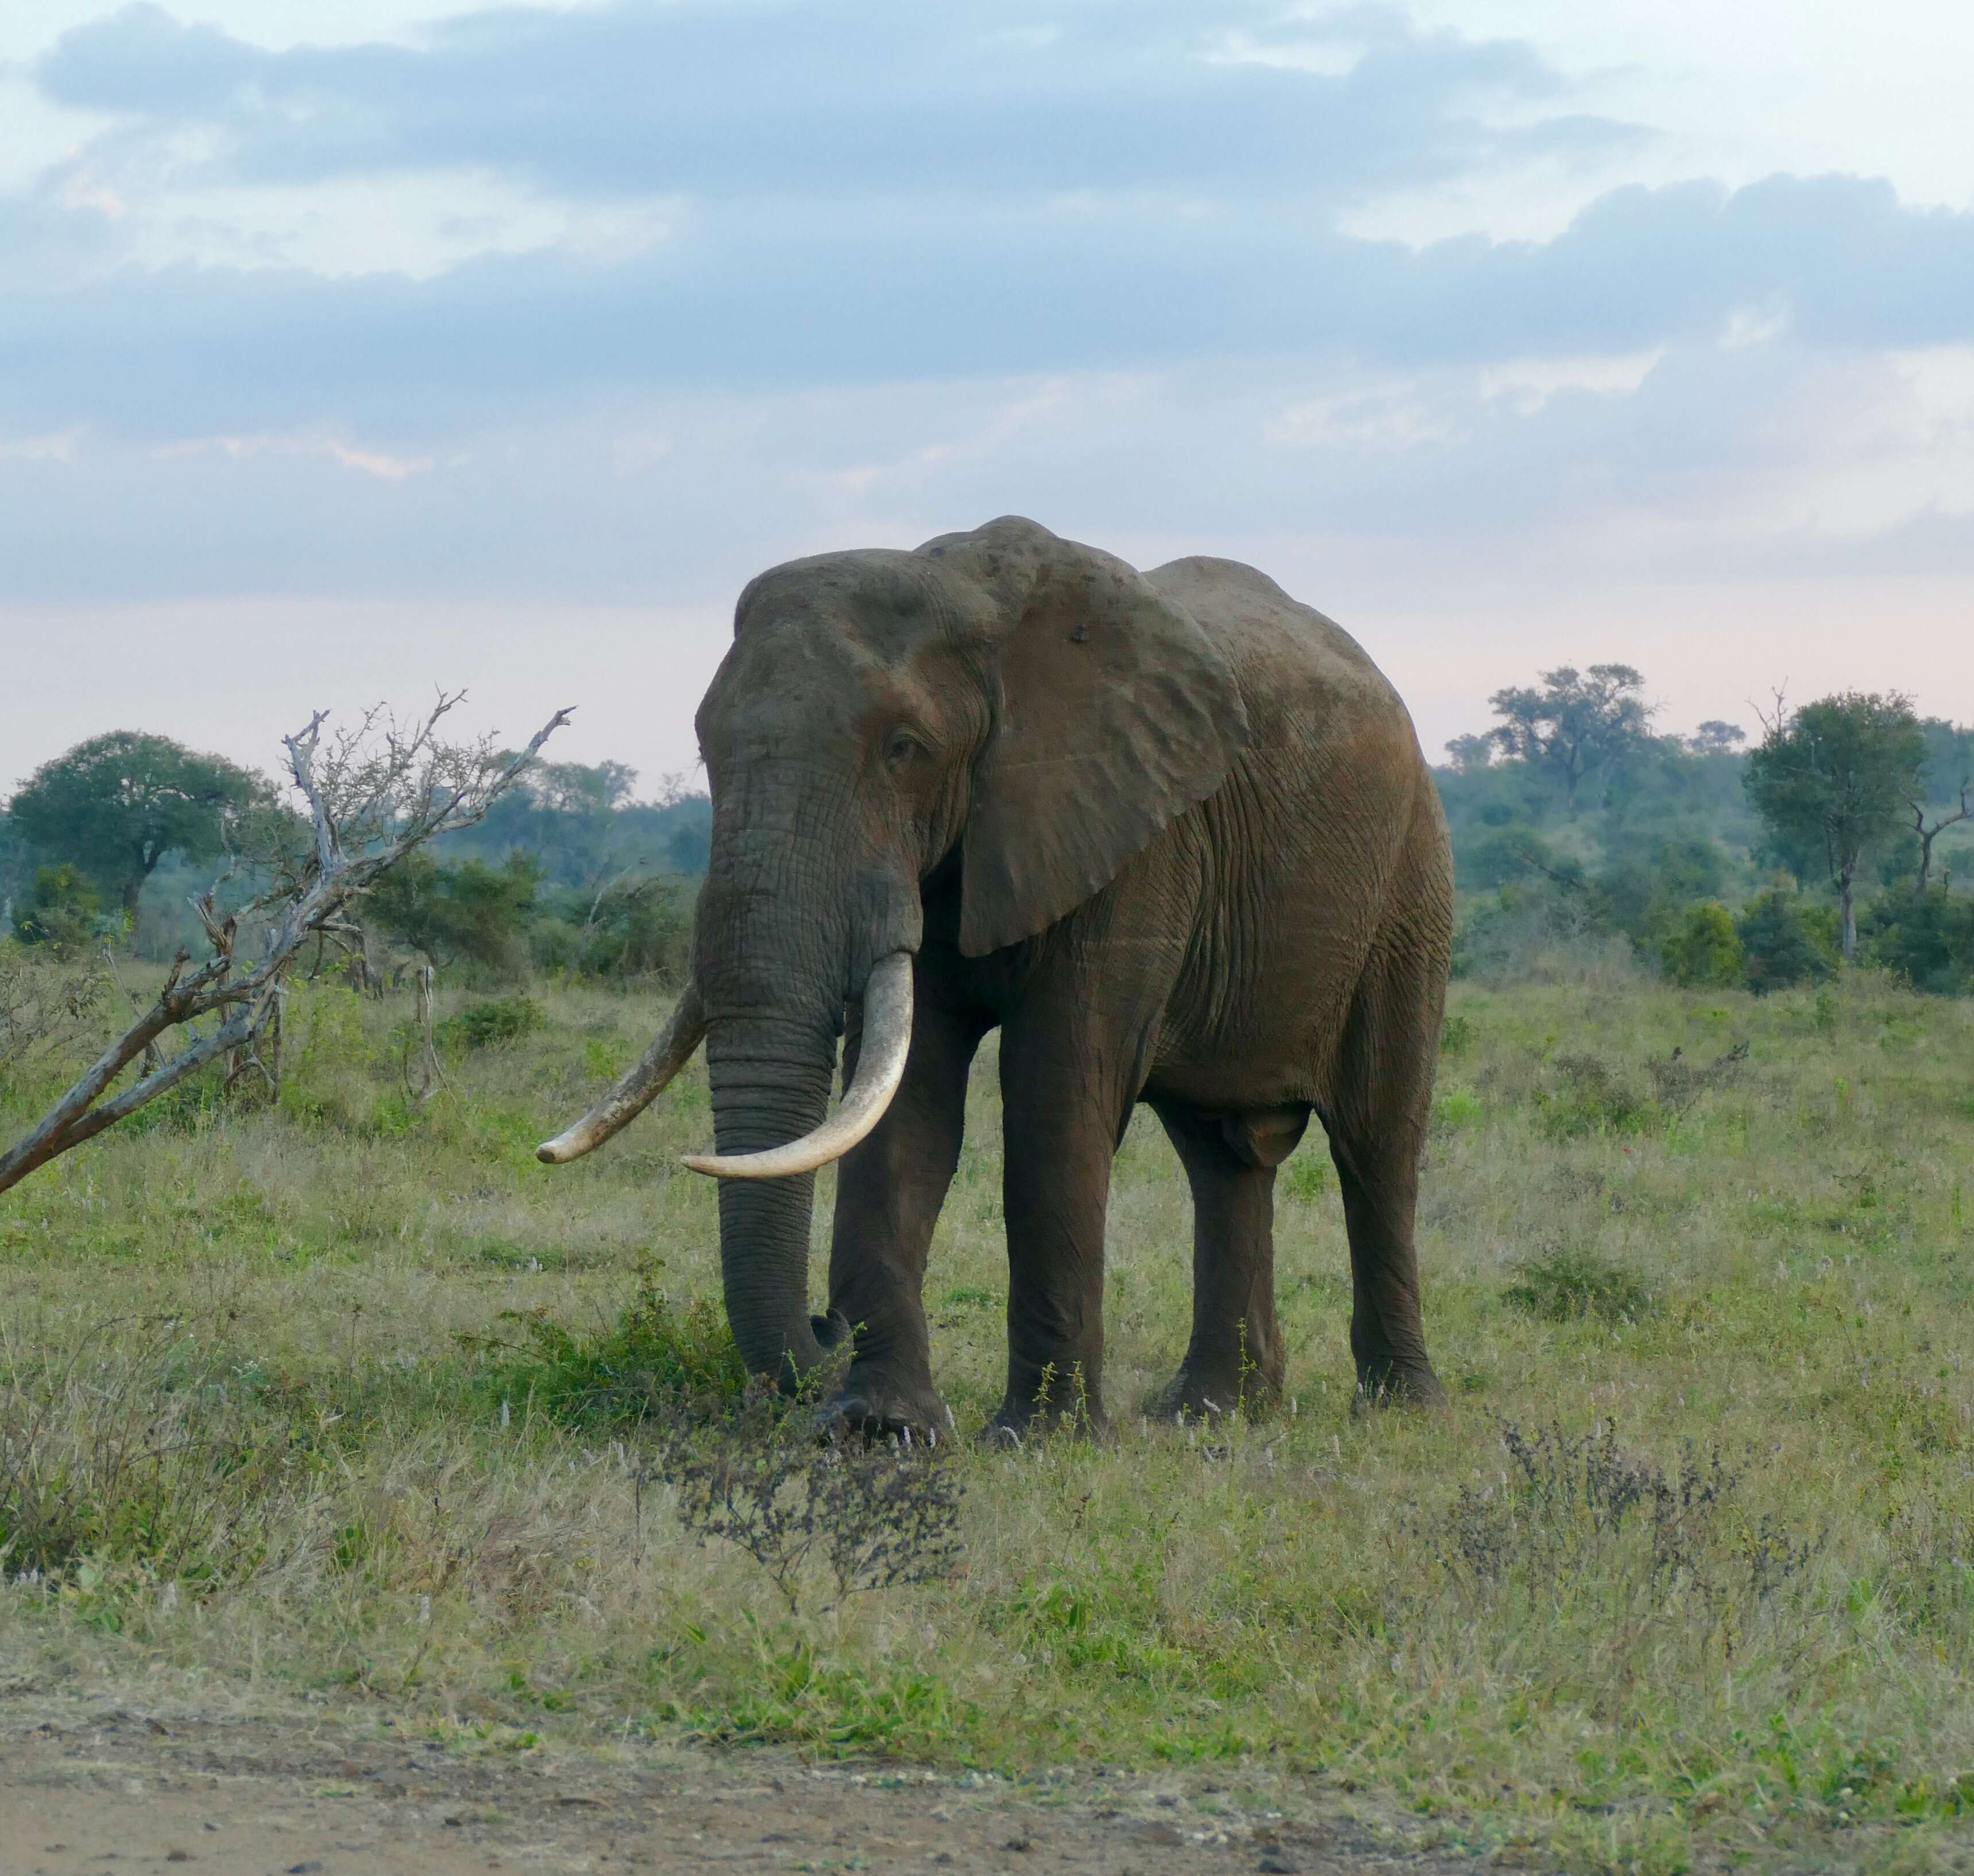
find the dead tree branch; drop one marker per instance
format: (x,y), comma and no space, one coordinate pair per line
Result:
(1928,835)
(373,795)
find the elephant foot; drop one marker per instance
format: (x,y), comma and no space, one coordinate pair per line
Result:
(878,1406)
(1414,1384)
(1206,1392)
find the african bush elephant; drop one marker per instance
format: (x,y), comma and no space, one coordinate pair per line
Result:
(1171,831)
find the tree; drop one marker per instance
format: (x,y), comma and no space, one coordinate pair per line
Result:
(1575,723)
(1780,942)
(1716,738)
(117,804)
(1704,950)
(1833,781)
(472,911)
(1946,775)
(374,795)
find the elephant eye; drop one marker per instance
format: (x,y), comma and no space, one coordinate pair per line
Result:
(900,748)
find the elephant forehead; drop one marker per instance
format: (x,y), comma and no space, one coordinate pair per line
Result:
(830,669)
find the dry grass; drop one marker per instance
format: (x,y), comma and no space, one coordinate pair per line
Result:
(1669,1585)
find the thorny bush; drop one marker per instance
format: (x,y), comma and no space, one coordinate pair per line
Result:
(768,1477)
(1569,1506)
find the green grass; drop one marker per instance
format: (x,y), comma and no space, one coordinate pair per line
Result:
(341,1398)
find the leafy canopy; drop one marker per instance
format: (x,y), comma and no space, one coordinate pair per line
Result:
(1832,781)
(117,804)
(1576,723)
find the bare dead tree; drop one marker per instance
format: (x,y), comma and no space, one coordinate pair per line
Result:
(1928,835)
(373,794)
(431,1078)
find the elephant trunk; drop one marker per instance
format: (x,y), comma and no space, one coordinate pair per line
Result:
(771,1080)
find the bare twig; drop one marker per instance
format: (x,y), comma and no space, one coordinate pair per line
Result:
(374,794)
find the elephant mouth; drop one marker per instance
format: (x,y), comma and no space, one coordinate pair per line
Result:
(881,1068)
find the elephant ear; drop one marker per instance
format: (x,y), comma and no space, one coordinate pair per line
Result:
(1113,713)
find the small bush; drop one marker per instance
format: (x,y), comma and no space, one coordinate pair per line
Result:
(1457,1108)
(873,1515)
(1592,1100)
(60,910)
(1578,1506)
(1573,1284)
(1926,937)
(1784,942)
(1704,950)
(1456,1036)
(498,1019)
(654,1357)
(1308,1177)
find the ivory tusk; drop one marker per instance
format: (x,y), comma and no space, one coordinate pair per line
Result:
(638,1088)
(880,1067)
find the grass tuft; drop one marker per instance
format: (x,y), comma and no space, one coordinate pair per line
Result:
(656,1358)
(1574,1283)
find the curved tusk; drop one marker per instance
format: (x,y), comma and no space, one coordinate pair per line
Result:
(639,1087)
(880,1067)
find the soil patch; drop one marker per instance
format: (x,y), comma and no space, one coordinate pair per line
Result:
(117,1791)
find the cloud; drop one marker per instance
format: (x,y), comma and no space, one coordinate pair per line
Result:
(981,99)
(845,295)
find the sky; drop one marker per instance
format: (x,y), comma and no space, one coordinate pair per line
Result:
(349,349)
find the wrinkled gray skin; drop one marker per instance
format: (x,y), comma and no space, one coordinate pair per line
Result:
(1173,834)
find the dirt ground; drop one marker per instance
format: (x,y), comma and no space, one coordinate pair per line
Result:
(101,1790)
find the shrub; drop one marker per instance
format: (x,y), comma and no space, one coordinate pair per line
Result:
(1573,1506)
(1519,932)
(1927,937)
(653,1357)
(1704,950)
(498,1019)
(1592,1100)
(1784,942)
(875,1516)
(633,929)
(472,913)
(1571,1285)
(1502,857)
(59,911)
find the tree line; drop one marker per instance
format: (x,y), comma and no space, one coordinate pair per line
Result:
(111,841)
(1834,836)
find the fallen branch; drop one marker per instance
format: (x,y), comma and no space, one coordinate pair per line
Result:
(373,795)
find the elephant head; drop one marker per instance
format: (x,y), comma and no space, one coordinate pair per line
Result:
(1031,710)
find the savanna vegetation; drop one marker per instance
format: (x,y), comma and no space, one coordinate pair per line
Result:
(339,1397)
(315,1387)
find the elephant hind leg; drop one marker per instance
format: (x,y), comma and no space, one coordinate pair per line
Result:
(1376,1119)
(1234,1356)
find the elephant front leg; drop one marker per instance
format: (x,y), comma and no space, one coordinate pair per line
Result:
(1060,1125)
(889,1191)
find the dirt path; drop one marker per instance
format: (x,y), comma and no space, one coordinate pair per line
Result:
(110,1792)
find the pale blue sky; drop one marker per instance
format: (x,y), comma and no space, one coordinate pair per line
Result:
(379,349)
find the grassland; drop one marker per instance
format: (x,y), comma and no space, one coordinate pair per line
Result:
(1685,1577)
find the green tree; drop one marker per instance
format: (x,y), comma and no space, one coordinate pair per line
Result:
(116,805)
(59,911)
(1704,949)
(472,913)
(1783,942)
(1833,781)
(1575,723)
